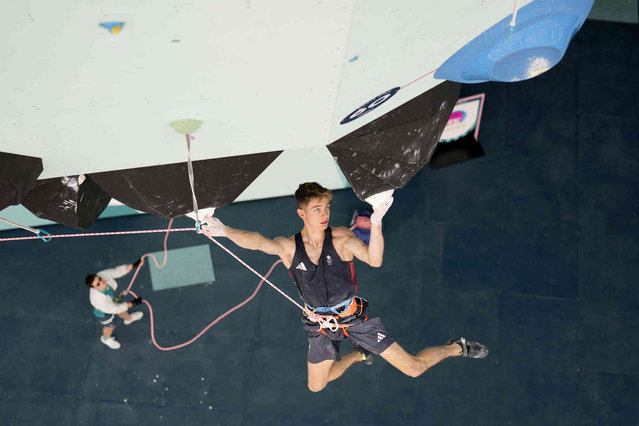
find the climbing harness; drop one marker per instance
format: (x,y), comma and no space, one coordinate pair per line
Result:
(338,316)
(335,309)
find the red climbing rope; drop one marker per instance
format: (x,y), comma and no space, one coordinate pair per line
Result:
(215,321)
(205,329)
(99,234)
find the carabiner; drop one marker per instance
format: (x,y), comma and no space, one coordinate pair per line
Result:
(45,239)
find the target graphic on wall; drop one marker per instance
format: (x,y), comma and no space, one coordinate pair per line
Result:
(370,105)
(377,101)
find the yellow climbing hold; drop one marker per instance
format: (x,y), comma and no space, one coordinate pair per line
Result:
(186,126)
(113,27)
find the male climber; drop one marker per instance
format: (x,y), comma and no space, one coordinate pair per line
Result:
(320,261)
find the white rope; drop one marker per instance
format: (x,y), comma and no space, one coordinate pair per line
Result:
(26,228)
(190,169)
(513,21)
(93,234)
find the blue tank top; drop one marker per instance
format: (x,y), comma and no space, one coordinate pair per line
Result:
(329,282)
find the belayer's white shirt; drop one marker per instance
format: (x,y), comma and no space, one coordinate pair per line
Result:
(104,302)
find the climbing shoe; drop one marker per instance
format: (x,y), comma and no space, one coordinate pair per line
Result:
(470,349)
(367,357)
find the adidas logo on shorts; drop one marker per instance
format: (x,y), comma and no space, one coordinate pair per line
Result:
(380,337)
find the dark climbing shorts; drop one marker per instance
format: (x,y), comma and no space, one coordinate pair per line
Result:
(370,335)
(106,321)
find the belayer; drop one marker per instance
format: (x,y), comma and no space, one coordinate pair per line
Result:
(106,305)
(320,261)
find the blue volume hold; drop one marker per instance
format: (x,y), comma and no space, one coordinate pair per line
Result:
(537,43)
(113,27)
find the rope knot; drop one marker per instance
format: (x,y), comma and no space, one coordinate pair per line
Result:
(329,322)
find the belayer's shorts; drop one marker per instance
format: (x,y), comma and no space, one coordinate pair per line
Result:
(370,335)
(106,321)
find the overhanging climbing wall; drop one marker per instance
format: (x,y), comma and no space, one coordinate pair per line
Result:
(75,201)
(165,190)
(93,91)
(387,152)
(17,174)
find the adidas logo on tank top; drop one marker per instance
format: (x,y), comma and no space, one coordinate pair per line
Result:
(301,267)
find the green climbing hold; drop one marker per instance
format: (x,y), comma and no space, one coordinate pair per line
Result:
(186,126)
